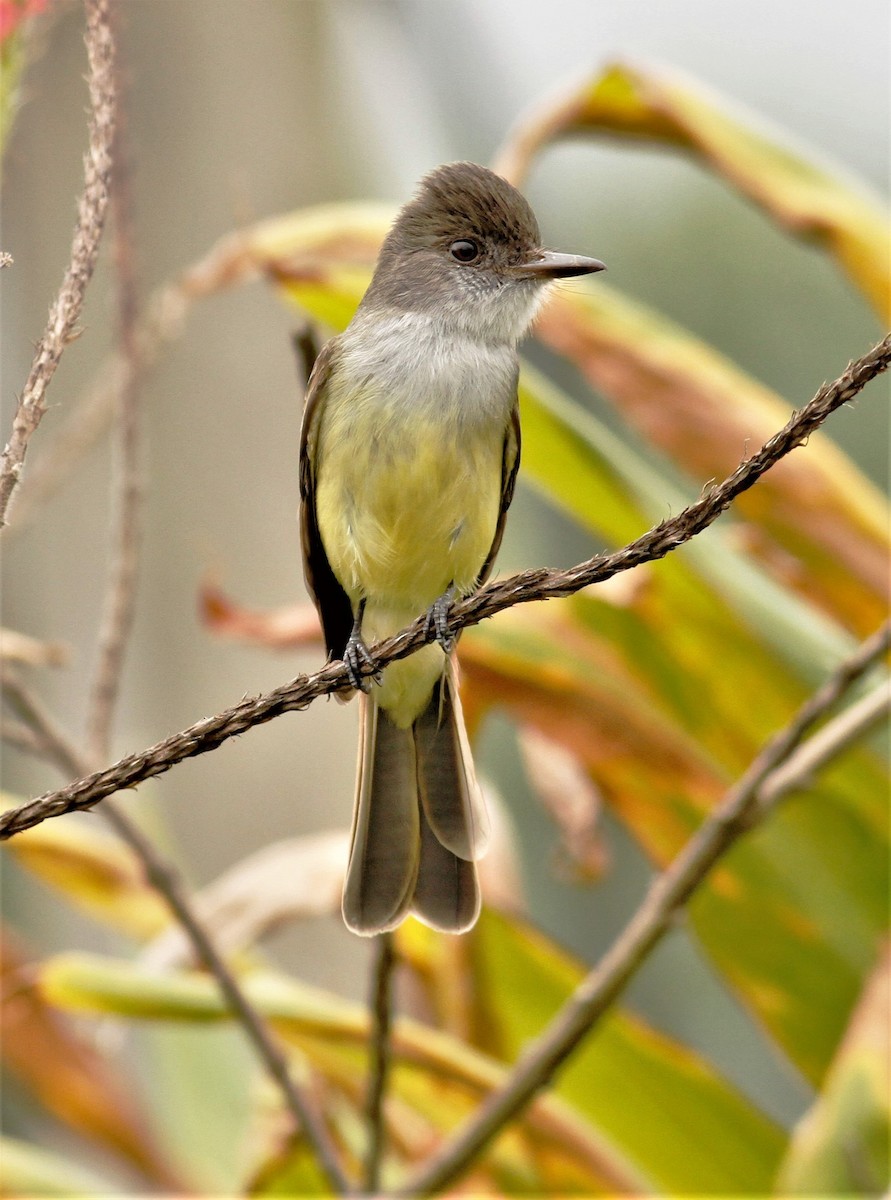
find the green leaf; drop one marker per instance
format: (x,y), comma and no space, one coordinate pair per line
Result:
(29,1170)
(291,1171)
(662,1106)
(575,461)
(68,1076)
(791,916)
(841,1147)
(814,522)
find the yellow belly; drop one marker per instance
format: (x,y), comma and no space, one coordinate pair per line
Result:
(406,507)
(404,517)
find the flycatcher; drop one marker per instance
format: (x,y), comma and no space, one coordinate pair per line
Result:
(409,451)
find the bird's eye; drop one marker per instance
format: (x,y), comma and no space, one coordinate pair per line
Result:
(464,250)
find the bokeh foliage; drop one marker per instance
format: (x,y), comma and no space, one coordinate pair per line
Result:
(662,690)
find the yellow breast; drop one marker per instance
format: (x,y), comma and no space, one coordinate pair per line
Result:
(405,506)
(407,458)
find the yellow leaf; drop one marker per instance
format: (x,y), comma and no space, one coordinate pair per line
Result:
(94,870)
(789,184)
(842,1144)
(433,1073)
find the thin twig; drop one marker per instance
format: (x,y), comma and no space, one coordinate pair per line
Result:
(738,811)
(120,594)
(55,746)
(20,735)
(58,748)
(528,586)
(228,262)
(846,729)
(17,647)
(85,247)
(381,1005)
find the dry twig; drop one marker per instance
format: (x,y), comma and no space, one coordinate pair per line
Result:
(85,248)
(539,584)
(120,592)
(18,734)
(742,807)
(226,264)
(847,728)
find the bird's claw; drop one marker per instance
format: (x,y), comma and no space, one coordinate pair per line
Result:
(356,657)
(438,620)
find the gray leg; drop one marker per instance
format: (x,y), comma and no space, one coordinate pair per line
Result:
(356,656)
(438,618)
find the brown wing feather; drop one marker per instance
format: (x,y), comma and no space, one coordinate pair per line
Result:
(510,464)
(330,599)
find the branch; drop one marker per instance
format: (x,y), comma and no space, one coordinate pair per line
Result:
(228,262)
(18,734)
(742,807)
(379,1056)
(53,744)
(120,595)
(84,250)
(539,584)
(847,728)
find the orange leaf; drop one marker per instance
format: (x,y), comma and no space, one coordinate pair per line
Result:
(69,1077)
(653,773)
(286,628)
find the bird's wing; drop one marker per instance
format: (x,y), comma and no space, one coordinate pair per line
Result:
(510,464)
(330,599)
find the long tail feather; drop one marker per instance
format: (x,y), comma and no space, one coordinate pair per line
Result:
(419,821)
(450,794)
(385,843)
(447,894)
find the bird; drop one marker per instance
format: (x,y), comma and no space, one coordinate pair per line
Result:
(409,451)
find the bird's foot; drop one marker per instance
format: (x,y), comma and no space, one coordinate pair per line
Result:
(356,656)
(438,619)
(357,660)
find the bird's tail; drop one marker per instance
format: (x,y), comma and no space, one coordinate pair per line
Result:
(419,820)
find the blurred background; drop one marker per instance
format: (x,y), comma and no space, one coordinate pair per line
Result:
(241,111)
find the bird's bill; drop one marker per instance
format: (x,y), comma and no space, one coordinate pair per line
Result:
(549,264)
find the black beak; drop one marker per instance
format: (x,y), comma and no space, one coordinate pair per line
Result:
(551,265)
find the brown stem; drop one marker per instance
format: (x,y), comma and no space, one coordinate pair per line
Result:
(226,264)
(848,727)
(85,247)
(120,593)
